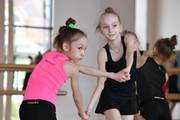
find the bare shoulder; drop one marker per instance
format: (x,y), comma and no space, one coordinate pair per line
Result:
(141,61)
(70,68)
(146,53)
(129,36)
(102,54)
(130,39)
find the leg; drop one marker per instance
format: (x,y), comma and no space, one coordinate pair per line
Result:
(141,118)
(173,104)
(112,114)
(137,116)
(127,117)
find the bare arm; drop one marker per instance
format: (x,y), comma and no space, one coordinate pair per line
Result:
(73,73)
(100,80)
(167,77)
(95,72)
(130,41)
(99,73)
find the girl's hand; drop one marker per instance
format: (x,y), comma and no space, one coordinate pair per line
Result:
(123,75)
(88,112)
(83,116)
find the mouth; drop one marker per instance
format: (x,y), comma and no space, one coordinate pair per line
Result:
(110,35)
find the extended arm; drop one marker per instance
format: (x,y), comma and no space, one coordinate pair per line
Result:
(99,73)
(130,41)
(120,76)
(100,81)
(73,73)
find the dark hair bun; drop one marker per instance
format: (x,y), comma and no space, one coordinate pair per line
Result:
(173,41)
(109,10)
(69,21)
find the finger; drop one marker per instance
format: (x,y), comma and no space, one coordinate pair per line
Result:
(125,78)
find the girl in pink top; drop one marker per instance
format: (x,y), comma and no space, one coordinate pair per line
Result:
(54,70)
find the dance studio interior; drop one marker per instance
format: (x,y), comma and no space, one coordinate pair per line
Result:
(27,29)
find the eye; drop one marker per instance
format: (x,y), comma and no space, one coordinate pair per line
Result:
(115,25)
(80,48)
(105,27)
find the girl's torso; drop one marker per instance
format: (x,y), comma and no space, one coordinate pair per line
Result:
(47,78)
(150,80)
(123,90)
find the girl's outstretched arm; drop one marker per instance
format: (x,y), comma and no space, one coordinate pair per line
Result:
(73,73)
(100,80)
(130,41)
(122,75)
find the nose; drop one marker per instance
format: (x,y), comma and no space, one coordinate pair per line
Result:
(110,29)
(83,53)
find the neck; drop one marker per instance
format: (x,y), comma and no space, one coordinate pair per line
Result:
(158,60)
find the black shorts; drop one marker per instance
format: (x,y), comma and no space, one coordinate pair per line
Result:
(37,110)
(155,110)
(137,102)
(125,106)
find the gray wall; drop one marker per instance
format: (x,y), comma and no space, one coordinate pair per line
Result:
(87,13)
(162,21)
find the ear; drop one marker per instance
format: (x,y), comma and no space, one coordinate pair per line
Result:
(154,49)
(120,28)
(65,46)
(101,31)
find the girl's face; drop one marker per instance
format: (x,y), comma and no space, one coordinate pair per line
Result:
(77,49)
(110,26)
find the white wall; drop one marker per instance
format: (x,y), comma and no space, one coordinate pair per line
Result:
(87,13)
(141,22)
(163,20)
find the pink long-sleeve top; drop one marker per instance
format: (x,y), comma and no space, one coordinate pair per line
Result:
(47,78)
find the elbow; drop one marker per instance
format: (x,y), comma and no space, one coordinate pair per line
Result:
(77,97)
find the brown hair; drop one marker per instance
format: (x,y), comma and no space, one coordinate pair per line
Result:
(165,47)
(67,34)
(108,10)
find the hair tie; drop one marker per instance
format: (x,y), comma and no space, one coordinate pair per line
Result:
(174,50)
(169,39)
(71,25)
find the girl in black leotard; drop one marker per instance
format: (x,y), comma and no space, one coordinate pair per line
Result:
(151,78)
(117,100)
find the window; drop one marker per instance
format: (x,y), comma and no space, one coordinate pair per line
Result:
(32,33)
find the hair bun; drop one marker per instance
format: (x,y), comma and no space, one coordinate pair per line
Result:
(69,21)
(173,41)
(109,10)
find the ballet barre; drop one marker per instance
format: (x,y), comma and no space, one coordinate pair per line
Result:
(24,67)
(171,96)
(21,92)
(173,70)
(19,67)
(16,67)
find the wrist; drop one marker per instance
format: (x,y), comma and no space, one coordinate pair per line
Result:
(128,68)
(112,75)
